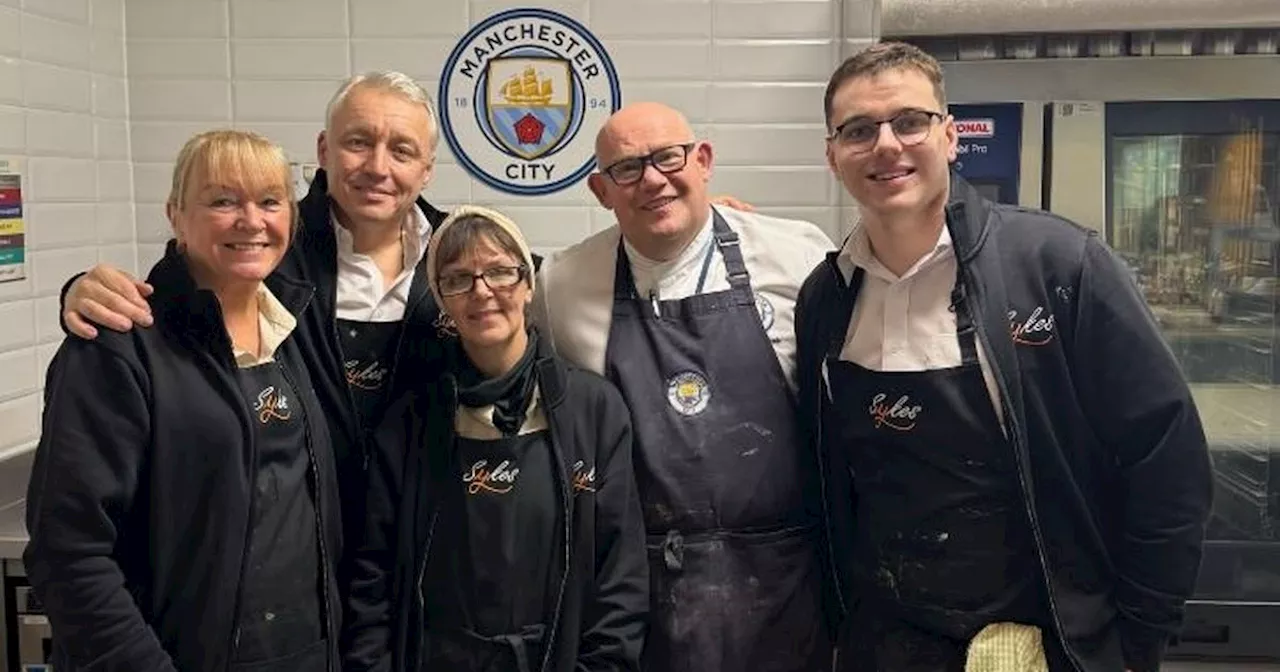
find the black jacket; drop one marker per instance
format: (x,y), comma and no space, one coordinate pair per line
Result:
(1112,456)
(313,259)
(604,599)
(140,498)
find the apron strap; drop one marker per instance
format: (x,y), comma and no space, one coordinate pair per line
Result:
(624,284)
(966,335)
(731,249)
(838,328)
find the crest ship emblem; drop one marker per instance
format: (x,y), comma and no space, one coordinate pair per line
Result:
(515,94)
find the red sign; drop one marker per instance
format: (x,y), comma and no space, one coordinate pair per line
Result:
(976,128)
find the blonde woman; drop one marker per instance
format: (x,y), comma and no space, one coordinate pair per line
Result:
(183,506)
(504,529)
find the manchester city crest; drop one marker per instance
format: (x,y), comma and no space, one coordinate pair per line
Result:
(688,393)
(517,92)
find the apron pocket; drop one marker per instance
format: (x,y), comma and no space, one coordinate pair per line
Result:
(736,600)
(313,658)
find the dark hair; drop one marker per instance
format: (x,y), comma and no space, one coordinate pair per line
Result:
(468,231)
(882,57)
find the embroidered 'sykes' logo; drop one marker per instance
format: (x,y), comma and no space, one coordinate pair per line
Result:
(584,477)
(1035,330)
(900,415)
(271,404)
(499,480)
(365,376)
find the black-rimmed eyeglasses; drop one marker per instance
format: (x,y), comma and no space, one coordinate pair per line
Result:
(497,277)
(666,160)
(910,127)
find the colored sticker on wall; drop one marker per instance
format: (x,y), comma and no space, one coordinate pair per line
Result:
(13,264)
(521,98)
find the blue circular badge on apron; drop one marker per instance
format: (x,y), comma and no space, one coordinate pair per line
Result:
(688,392)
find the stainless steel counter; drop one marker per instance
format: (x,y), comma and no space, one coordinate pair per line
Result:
(14,473)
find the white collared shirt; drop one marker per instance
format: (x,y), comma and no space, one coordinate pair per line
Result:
(275,323)
(361,293)
(677,278)
(573,304)
(905,323)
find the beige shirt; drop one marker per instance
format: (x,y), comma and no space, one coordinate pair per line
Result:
(573,305)
(275,323)
(477,423)
(361,294)
(905,323)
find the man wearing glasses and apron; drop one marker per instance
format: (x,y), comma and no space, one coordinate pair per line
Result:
(687,308)
(1016,475)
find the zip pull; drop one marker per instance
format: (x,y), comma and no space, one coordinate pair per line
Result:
(653,298)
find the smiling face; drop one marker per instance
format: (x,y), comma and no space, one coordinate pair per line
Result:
(492,313)
(892,180)
(377,153)
(231,208)
(661,207)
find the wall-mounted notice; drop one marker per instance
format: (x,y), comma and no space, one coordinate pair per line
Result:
(12,247)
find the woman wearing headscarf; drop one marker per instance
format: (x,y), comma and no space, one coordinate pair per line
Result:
(504,530)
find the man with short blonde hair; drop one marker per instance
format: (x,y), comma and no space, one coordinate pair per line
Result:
(361,241)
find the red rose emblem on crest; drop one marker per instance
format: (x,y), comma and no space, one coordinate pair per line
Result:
(529,130)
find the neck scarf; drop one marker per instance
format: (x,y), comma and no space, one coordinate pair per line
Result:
(509,394)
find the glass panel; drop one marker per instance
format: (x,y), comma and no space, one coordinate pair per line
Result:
(1194,214)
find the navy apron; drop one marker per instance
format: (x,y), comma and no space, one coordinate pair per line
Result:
(942,542)
(727,486)
(280,625)
(490,584)
(368,357)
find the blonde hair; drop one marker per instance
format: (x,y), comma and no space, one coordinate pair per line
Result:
(239,159)
(389,81)
(882,57)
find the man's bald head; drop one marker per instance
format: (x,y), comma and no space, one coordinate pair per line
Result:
(640,128)
(653,176)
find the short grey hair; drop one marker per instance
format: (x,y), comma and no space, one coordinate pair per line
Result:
(392,82)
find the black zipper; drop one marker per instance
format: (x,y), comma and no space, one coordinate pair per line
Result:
(822,472)
(1014,423)
(248,528)
(319,504)
(550,636)
(435,514)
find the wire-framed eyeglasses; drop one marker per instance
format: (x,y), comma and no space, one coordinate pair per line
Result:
(910,127)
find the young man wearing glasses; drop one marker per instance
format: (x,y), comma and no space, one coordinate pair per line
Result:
(1011,455)
(687,308)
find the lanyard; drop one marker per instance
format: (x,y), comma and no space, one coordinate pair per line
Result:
(702,276)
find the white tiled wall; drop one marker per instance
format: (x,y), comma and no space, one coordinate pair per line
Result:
(64,111)
(748,73)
